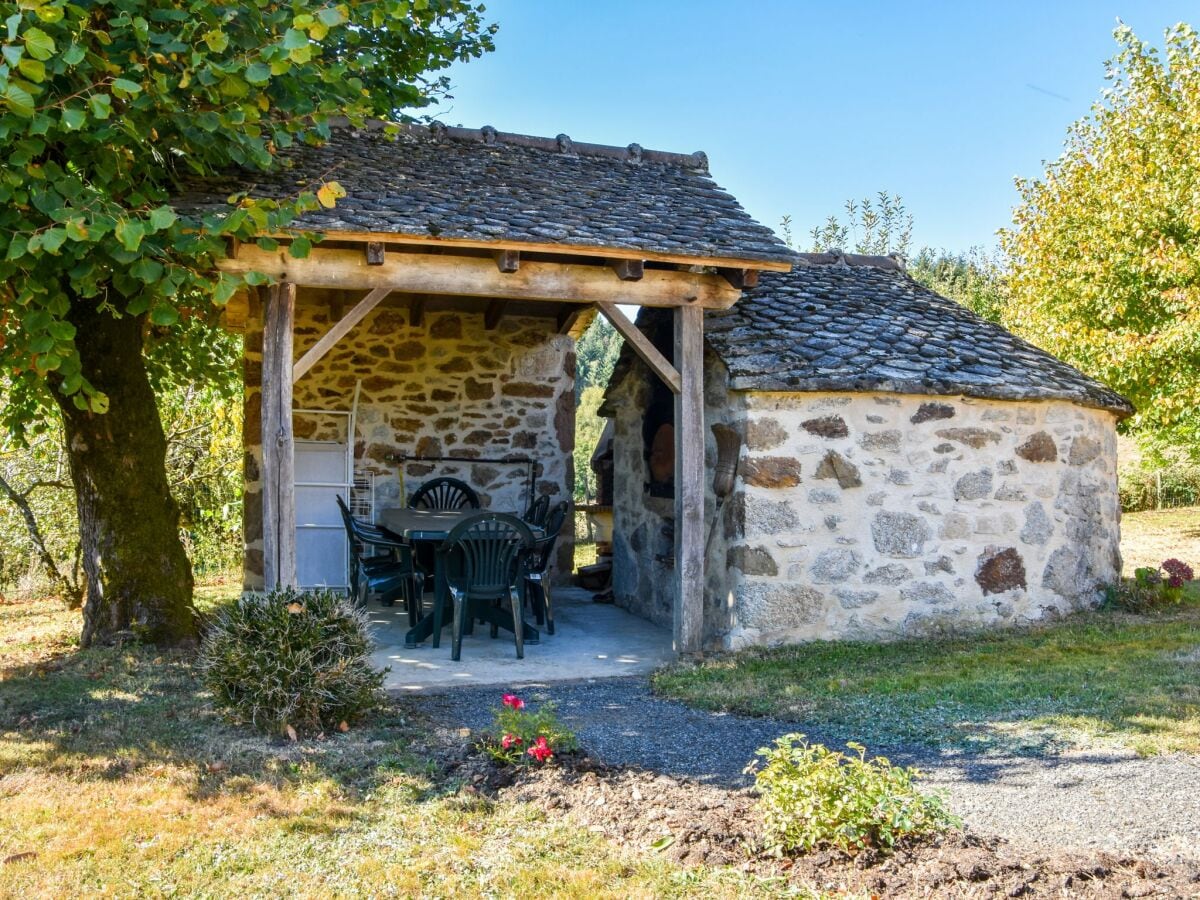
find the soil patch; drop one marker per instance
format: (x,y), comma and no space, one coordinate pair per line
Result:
(695,823)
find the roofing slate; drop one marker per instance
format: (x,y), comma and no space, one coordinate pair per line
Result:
(858,323)
(485,185)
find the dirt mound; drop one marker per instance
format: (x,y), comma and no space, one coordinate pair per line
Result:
(700,824)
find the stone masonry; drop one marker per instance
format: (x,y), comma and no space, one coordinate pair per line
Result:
(447,387)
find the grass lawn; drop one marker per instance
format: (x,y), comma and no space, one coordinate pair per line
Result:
(1093,679)
(1147,538)
(117,778)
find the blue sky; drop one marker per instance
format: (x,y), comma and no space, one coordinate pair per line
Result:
(801,105)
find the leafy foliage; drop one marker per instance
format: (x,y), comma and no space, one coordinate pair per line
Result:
(524,736)
(1174,485)
(975,278)
(589,427)
(291,659)
(107,108)
(1152,587)
(596,354)
(811,796)
(878,227)
(1105,246)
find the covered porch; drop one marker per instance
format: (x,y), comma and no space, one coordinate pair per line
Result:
(420,353)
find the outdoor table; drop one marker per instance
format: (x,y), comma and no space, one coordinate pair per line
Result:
(433,526)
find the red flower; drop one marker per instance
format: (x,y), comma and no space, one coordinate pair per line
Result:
(1178,570)
(540,750)
(508,740)
(513,701)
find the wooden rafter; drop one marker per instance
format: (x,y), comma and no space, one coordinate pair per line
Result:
(628,269)
(375,253)
(474,277)
(416,312)
(508,261)
(493,314)
(740,278)
(659,364)
(338,331)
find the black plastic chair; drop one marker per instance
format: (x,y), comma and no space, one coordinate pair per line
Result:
(381,564)
(538,510)
(444,493)
(537,567)
(483,558)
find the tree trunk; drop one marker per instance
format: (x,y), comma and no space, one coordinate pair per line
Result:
(138,577)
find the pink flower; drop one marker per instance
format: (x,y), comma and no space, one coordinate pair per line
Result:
(540,750)
(513,701)
(509,740)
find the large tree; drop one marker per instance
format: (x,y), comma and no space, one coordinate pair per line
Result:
(107,107)
(1105,247)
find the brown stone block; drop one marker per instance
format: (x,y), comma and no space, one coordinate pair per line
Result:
(771,471)
(429,446)
(458,364)
(252,516)
(826,427)
(527,389)
(479,390)
(408,350)
(1000,570)
(446,327)
(765,434)
(1040,447)
(441,395)
(525,440)
(972,437)
(477,438)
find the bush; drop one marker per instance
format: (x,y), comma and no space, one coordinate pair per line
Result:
(1152,589)
(522,736)
(1171,486)
(291,660)
(811,796)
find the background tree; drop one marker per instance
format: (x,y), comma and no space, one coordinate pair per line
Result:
(105,109)
(1104,250)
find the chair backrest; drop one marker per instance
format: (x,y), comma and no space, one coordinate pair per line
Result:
(536,514)
(490,549)
(444,493)
(543,548)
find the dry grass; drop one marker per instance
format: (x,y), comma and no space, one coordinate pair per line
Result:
(1147,538)
(117,779)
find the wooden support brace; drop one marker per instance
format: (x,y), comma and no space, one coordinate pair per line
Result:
(628,269)
(416,312)
(375,255)
(568,315)
(278,443)
(642,346)
(689,481)
(741,279)
(339,330)
(508,261)
(493,315)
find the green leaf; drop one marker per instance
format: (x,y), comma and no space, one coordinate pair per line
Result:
(258,73)
(98,403)
(162,217)
(38,44)
(147,270)
(100,105)
(164,315)
(294,39)
(331,16)
(74,55)
(300,248)
(130,233)
(53,238)
(217,40)
(19,100)
(33,69)
(73,118)
(329,193)
(76,229)
(125,86)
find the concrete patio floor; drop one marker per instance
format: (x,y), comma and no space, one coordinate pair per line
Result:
(591,640)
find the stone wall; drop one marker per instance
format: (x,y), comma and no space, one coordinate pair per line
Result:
(877,515)
(447,387)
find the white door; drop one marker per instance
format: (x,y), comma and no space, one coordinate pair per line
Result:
(322,551)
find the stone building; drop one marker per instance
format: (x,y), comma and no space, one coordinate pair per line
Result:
(904,466)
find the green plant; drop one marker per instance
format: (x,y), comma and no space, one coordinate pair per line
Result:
(1152,588)
(291,660)
(522,736)
(811,796)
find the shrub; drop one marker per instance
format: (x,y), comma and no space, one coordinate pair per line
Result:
(812,796)
(291,660)
(1173,485)
(1150,588)
(522,736)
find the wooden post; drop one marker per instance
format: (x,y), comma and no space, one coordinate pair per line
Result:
(278,445)
(689,480)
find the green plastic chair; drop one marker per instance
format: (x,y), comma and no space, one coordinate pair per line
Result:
(537,566)
(483,561)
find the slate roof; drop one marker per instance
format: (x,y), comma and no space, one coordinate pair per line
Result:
(857,323)
(860,323)
(490,186)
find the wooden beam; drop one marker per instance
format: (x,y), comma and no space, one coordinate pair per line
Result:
(564,249)
(416,312)
(508,261)
(493,315)
(375,254)
(568,315)
(642,346)
(741,279)
(278,443)
(628,269)
(338,331)
(421,273)
(689,481)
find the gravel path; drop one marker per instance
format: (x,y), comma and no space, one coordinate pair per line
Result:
(1100,800)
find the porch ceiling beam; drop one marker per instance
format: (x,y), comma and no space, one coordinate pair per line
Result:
(642,346)
(628,269)
(375,253)
(478,277)
(493,315)
(339,330)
